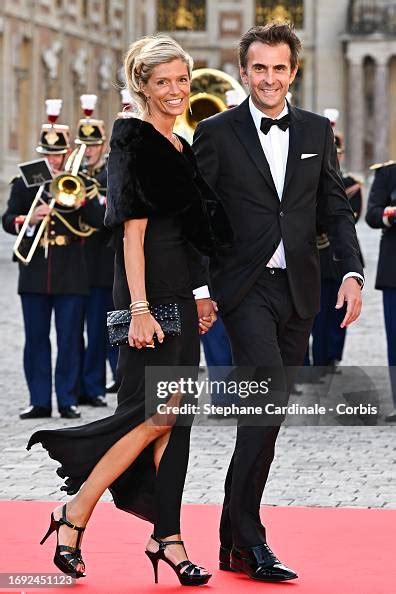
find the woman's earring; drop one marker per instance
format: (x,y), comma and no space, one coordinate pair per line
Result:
(189,106)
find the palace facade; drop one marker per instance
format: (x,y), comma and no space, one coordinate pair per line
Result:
(62,48)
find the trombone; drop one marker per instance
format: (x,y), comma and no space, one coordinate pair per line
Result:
(67,190)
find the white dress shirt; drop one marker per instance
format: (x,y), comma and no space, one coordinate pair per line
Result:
(276,149)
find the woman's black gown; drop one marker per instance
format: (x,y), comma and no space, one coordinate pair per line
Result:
(147,177)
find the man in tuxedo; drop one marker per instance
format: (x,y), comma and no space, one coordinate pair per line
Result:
(274,168)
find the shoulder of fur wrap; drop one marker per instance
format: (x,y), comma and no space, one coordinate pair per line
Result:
(147,176)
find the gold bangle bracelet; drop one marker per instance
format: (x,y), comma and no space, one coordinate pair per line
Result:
(140,313)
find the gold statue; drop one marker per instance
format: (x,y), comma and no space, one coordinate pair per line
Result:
(280,13)
(184,18)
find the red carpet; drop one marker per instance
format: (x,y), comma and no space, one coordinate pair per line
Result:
(335,551)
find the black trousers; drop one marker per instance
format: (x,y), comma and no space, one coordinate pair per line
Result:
(264,331)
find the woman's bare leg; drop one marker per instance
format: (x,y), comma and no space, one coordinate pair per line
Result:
(114,462)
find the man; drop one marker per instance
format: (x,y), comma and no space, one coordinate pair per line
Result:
(274,167)
(100,262)
(55,280)
(381,214)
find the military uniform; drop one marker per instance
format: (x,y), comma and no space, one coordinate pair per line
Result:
(383,195)
(55,280)
(328,338)
(100,265)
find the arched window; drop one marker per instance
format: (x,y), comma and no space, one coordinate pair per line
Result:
(181,15)
(285,10)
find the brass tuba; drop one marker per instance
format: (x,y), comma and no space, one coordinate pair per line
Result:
(67,191)
(208,97)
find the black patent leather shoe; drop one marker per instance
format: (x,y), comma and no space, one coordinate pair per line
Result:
(35,412)
(70,412)
(225,559)
(95,401)
(260,563)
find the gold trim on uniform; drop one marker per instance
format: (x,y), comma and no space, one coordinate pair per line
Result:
(379,165)
(322,241)
(85,228)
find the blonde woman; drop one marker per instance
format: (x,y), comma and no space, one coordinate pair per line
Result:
(158,209)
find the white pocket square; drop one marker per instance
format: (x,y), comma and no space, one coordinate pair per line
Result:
(308,155)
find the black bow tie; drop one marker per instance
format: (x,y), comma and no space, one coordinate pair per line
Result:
(266,123)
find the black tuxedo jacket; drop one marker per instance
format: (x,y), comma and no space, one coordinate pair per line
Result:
(233,162)
(383,194)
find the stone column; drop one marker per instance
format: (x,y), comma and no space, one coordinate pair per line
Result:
(355,137)
(381,110)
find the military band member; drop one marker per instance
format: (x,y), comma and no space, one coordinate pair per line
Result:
(381,214)
(328,338)
(100,262)
(55,280)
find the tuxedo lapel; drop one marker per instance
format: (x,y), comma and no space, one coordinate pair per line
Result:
(246,131)
(296,136)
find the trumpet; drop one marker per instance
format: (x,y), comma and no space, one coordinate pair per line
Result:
(67,190)
(208,97)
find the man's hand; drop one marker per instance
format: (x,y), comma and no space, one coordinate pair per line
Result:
(206,314)
(390,214)
(39,214)
(350,293)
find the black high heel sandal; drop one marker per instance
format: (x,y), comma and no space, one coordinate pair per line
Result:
(188,573)
(68,562)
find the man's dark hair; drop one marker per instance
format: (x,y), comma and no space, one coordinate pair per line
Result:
(271,34)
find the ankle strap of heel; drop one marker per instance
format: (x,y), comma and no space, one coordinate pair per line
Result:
(64,520)
(165,543)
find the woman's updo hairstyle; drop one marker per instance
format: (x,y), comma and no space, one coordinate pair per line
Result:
(144,55)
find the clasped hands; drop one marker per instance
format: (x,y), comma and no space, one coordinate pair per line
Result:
(206,309)
(143,327)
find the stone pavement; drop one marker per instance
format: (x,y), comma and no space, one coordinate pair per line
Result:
(314,466)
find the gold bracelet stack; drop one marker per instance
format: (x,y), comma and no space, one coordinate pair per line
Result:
(139,308)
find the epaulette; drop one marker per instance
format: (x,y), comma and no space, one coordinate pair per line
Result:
(14,179)
(380,165)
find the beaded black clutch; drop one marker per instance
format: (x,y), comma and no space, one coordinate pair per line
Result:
(167,315)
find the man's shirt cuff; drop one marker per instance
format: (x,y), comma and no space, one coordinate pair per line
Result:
(201,292)
(352,274)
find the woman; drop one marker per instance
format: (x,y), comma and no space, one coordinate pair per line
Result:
(161,211)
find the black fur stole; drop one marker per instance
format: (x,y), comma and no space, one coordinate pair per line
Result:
(148,177)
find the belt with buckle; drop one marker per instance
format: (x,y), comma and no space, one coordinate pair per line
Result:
(58,240)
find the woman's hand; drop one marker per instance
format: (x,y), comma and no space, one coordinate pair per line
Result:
(206,315)
(142,329)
